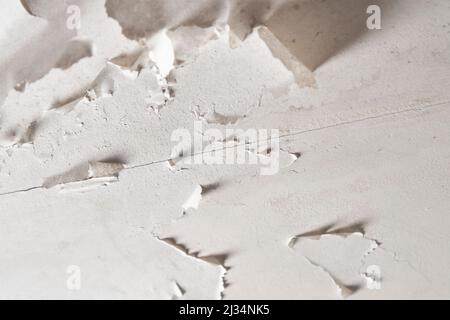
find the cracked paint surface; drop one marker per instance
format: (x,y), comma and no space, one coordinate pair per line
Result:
(89,176)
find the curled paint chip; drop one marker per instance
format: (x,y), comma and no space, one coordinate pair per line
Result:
(94,173)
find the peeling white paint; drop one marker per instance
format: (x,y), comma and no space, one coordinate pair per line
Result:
(89,176)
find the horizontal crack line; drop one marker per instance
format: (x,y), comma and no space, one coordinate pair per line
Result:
(292,134)
(297,133)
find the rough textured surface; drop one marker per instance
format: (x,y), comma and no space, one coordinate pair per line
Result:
(90,179)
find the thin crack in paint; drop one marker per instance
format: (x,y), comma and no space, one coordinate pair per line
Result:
(418,108)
